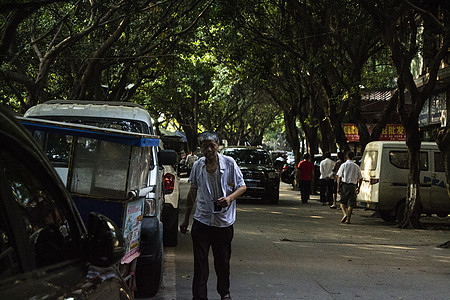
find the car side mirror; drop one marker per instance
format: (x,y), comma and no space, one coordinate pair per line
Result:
(106,243)
(167,157)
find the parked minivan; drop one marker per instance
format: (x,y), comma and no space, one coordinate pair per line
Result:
(127,117)
(385,171)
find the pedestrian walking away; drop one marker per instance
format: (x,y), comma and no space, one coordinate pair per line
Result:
(350,176)
(339,162)
(306,174)
(216,182)
(326,179)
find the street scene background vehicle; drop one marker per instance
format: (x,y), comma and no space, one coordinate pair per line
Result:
(260,176)
(385,176)
(118,170)
(45,250)
(170,211)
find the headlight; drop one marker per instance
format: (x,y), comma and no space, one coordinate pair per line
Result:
(272,175)
(150,207)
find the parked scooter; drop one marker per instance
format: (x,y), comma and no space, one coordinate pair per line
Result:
(288,173)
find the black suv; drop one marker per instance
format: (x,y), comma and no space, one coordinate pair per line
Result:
(260,176)
(45,250)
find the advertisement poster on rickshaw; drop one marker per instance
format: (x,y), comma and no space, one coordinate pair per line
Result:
(132,229)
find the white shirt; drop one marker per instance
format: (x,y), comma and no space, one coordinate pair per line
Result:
(326,168)
(214,184)
(280,159)
(349,172)
(230,179)
(191,159)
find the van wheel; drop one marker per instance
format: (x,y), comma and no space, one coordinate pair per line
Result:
(386,215)
(400,211)
(149,276)
(170,225)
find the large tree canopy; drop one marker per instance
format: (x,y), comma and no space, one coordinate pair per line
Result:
(232,66)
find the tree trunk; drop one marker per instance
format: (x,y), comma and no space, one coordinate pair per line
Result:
(91,78)
(292,138)
(443,141)
(412,205)
(364,136)
(191,137)
(327,142)
(312,140)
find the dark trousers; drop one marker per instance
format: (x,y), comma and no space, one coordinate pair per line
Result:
(305,190)
(219,239)
(326,190)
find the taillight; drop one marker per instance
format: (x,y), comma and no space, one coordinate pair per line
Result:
(169,183)
(285,167)
(374,181)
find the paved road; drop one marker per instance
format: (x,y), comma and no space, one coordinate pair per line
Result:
(298,251)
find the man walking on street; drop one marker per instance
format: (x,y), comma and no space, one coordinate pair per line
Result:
(190,160)
(306,174)
(216,182)
(350,176)
(337,165)
(326,179)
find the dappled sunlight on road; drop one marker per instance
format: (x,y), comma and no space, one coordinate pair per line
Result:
(316,217)
(378,247)
(285,194)
(243,209)
(403,253)
(444,259)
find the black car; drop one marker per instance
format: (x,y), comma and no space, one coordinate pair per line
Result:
(45,250)
(260,176)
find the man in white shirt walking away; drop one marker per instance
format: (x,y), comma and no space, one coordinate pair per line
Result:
(326,179)
(349,182)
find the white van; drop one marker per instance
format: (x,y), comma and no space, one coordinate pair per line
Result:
(385,171)
(129,117)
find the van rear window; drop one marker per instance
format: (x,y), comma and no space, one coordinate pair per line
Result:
(400,160)
(369,161)
(438,162)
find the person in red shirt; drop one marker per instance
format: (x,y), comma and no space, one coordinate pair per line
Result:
(306,174)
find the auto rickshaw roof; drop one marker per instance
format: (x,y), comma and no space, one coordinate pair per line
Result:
(106,134)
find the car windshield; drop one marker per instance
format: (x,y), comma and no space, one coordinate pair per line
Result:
(249,156)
